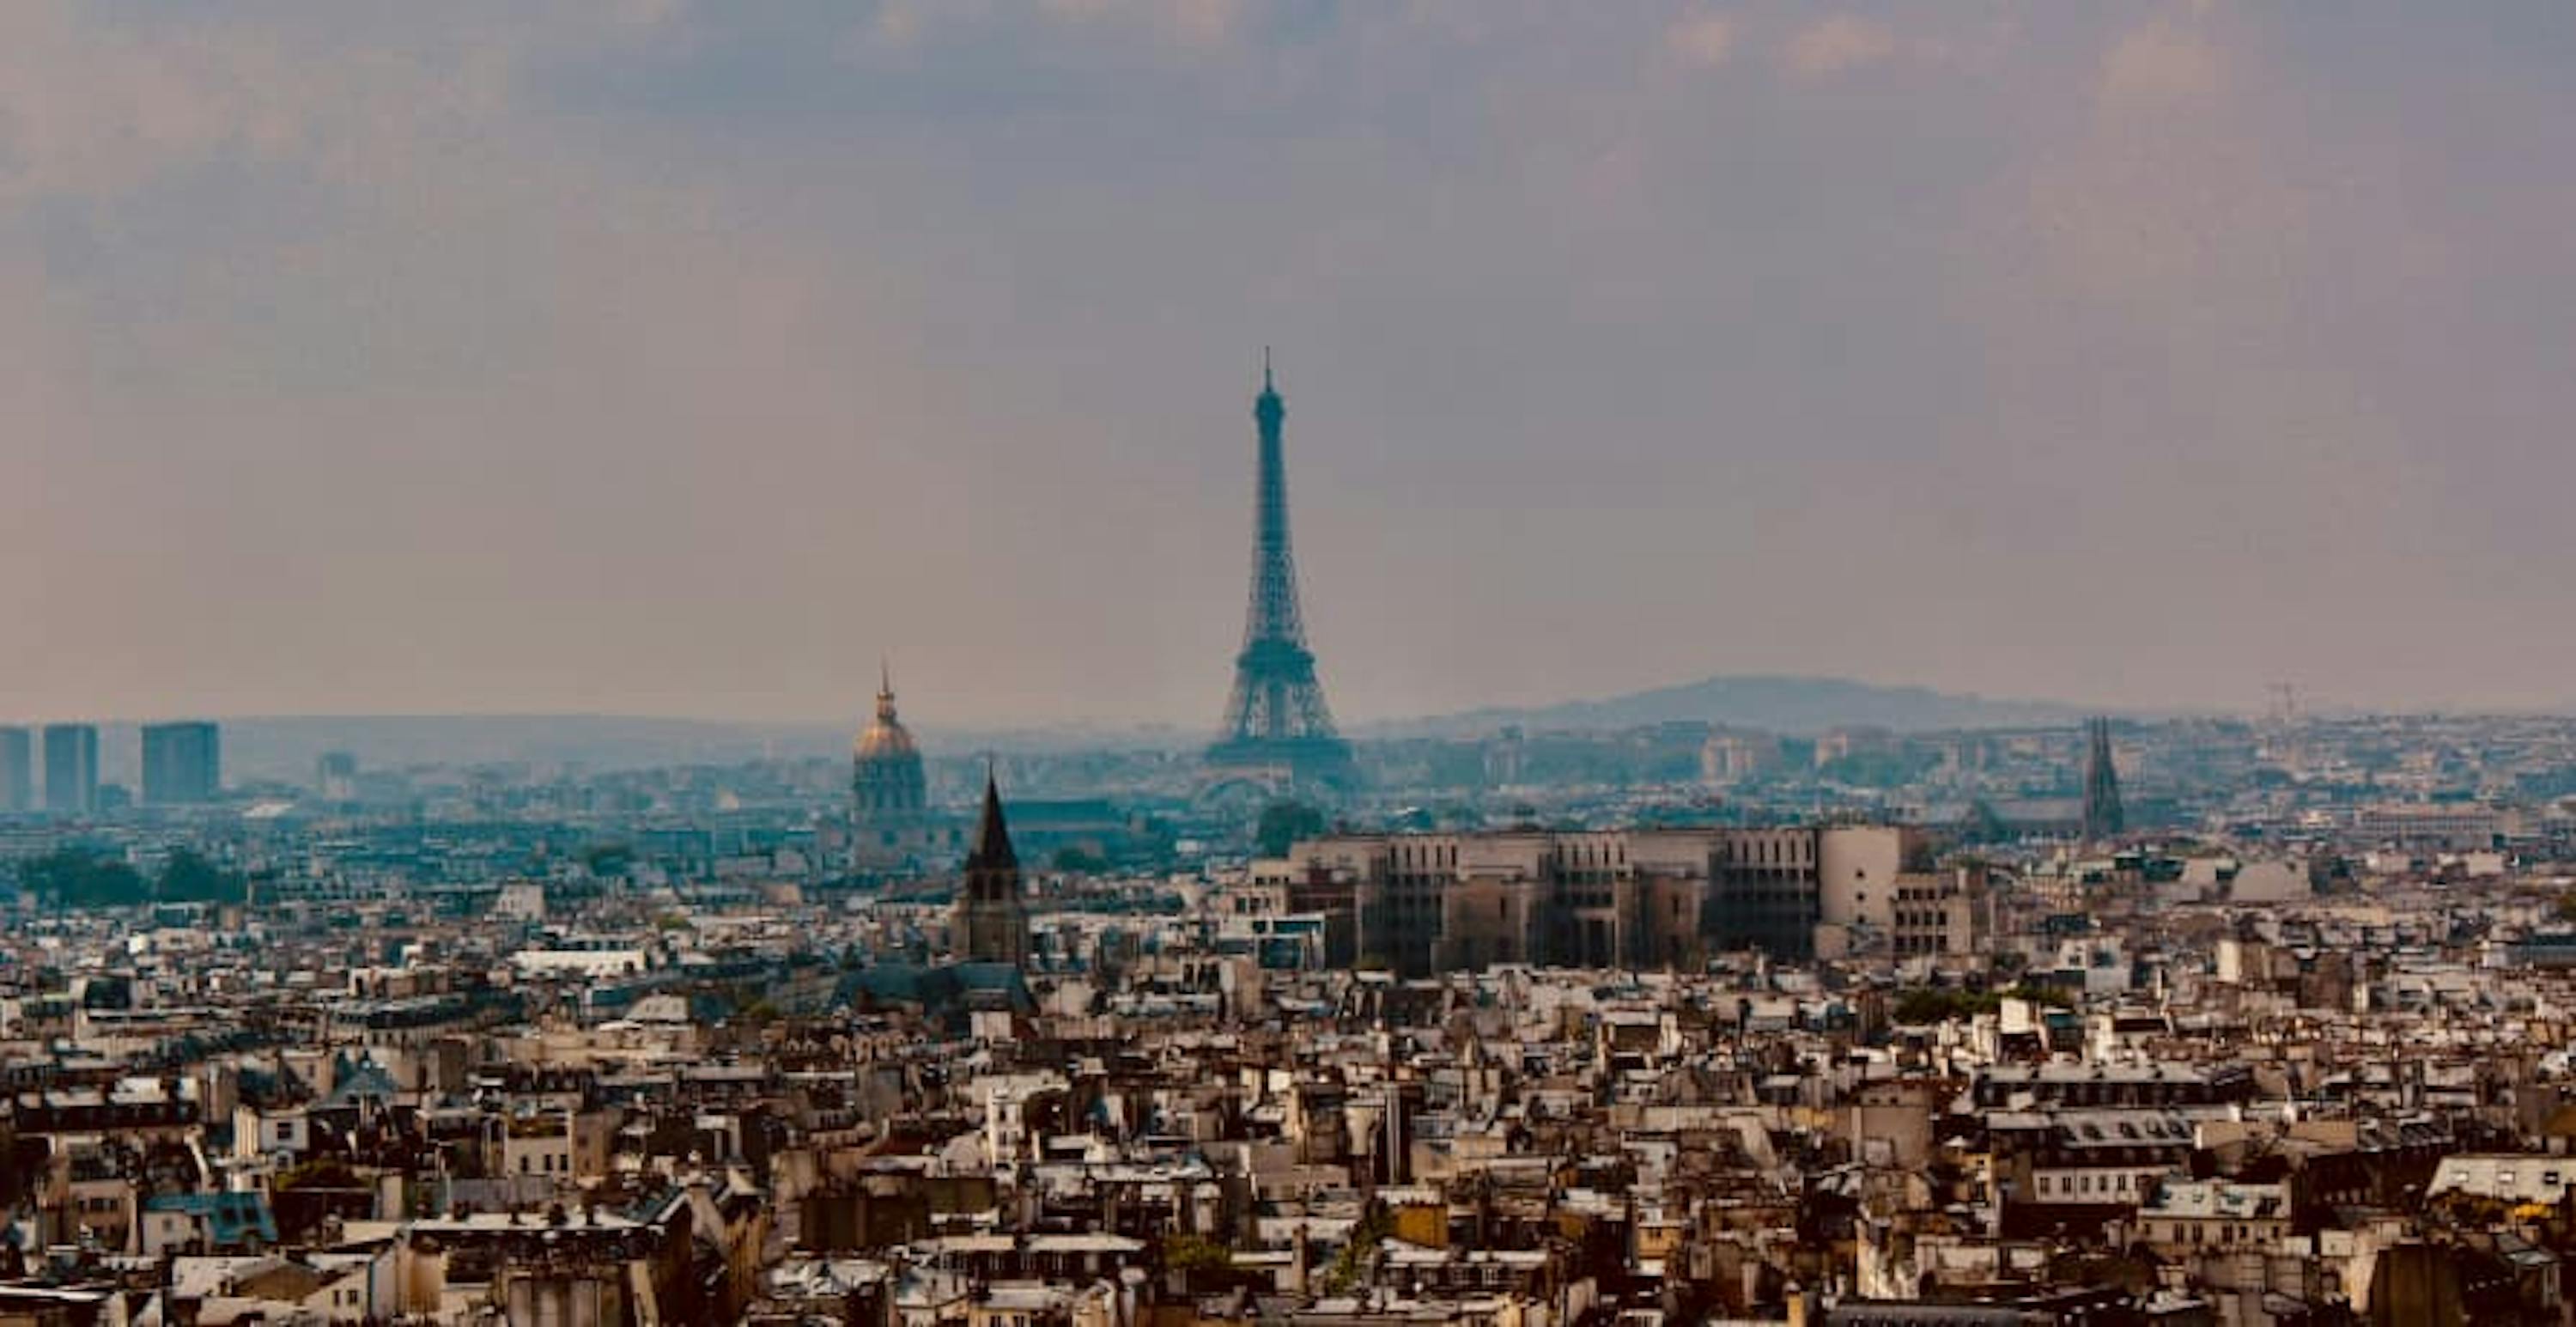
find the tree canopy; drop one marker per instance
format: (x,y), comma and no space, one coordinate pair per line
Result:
(1283,823)
(83,877)
(189,878)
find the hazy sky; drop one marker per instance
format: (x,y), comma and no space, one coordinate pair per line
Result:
(679,357)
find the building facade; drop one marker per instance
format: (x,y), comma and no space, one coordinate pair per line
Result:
(182,763)
(1425,903)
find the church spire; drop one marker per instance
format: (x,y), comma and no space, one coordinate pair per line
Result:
(992,850)
(991,921)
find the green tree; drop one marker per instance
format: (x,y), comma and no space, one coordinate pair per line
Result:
(189,878)
(2044,992)
(1187,1252)
(1285,822)
(1351,1266)
(78,877)
(1934,1004)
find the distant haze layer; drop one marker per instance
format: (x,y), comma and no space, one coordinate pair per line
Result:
(285,748)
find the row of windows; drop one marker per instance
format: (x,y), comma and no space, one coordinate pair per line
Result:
(551,1163)
(1770,851)
(2207,1232)
(1762,898)
(2085,1186)
(1594,854)
(2504,1178)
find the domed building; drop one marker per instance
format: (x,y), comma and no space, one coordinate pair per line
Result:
(891,828)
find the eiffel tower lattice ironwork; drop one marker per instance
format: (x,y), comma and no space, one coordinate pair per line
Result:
(1276,722)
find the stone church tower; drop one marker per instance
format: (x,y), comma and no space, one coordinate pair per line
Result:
(992,921)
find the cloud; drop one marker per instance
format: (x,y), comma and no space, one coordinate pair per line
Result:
(1700,41)
(500,354)
(1837,45)
(2161,64)
(897,23)
(1195,24)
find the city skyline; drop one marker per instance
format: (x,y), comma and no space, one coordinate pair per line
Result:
(638,361)
(1915,674)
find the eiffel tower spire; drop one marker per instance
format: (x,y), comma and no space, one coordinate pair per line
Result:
(1276,722)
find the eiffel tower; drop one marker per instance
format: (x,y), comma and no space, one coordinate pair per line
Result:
(1277,728)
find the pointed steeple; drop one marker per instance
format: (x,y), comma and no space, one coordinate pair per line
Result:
(991,922)
(992,850)
(2103,819)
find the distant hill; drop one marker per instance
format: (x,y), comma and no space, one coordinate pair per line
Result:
(1772,704)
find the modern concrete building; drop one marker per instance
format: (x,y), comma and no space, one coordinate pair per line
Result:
(182,763)
(17,770)
(2439,826)
(71,768)
(1727,759)
(335,776)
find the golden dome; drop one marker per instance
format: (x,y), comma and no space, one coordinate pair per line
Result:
(885,738)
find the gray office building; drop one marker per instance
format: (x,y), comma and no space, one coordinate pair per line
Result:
(71,768)
(17,770)
(182,763)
